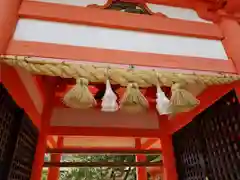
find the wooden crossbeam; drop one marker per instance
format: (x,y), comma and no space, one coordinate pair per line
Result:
(150,143)
(104,151)
(92,16)
(103,164)
(104,131)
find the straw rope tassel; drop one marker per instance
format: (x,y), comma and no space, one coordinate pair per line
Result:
(109,100)
(119,75)
(181,100)
(162,102)
(79,96)
(133,100)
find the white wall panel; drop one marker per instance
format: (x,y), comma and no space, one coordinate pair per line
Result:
(117,39)
(177,12)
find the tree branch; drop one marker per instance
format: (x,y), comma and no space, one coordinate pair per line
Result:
(127,173)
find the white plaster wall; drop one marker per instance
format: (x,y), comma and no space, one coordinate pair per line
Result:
(117,39)
(99,142)
(97,118)
(90,36)
(177,12)
(83,3)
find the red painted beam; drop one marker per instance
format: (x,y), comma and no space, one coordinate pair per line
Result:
(103,151)
(54,172)
(42,143)
(141,172)
(97,55)
(106,148)
(233,6)
(114,19)
(231,30)
(169,164)
(149,143)
(103,164)
(49,88)
(9,76)
(98,131)
(8,19)
(17,89)
(51,142)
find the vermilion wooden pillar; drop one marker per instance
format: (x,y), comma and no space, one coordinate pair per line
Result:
(168,158)
(48,91)
(42,144)
(8,20)
(8,75)
(141,171)
(231,41)
(169,167)
(54,172)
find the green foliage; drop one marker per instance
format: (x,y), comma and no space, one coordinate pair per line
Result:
(128,7)
(98,173)
(44,174)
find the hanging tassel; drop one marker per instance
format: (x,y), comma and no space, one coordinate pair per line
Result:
(181,100)
(162,102)
(133,100)
(79,96)
(109,100)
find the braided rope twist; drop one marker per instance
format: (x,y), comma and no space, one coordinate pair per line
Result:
(97,73)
